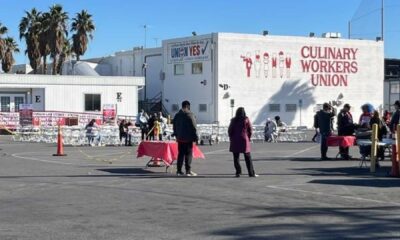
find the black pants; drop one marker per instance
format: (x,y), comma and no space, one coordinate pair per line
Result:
(324,145)
(249,163)
(315,136)
(128,138)
(185,152)
(150,137)
(144,132)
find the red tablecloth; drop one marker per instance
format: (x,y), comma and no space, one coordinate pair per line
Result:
(166,151)
(342,141)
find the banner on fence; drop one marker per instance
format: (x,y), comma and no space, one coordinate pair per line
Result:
(25,114)
(109,113)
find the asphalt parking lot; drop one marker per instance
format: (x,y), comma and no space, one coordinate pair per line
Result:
(106,193)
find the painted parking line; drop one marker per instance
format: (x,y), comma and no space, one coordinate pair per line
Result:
(15,155)
(284,188)
(301,151)
(216,151)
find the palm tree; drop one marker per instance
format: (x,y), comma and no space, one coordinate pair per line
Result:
(56,24)
(29,28)
(8,58)
(44,46)
(3,30)
(83,25)
(65,53)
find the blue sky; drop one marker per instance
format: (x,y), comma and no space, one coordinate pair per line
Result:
(120,22)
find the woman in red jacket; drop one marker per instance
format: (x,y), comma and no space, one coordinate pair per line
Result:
(240,131)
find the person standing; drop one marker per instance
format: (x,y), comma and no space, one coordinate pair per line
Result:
(91,131)
(324,123)
(150,122)
(240,131)
(141,122)
(270,131)
(163,125)
(122,132)
(345,128)
(395,117)
(185,131)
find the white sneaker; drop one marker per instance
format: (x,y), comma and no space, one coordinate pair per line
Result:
(255,175)
(191,174)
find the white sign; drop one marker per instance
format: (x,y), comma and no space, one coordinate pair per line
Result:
(189,51)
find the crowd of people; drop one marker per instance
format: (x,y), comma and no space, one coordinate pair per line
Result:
(361,129)
(153,127)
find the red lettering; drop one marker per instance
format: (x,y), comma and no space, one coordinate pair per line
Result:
(323,66)
(315,66)
(194,50)
(305,65)
(346,53)
(328,80)
(314,80)
(346,67)
(354,67)
(303,52)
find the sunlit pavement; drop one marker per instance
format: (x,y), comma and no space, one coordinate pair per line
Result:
(106,193)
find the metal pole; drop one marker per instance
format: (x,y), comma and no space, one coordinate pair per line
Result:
(382,19)
(349,29)
(145,36)
(374,147)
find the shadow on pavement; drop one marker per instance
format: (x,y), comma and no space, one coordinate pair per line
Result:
(343,171)
(381,183)
(297,159)
(345,223)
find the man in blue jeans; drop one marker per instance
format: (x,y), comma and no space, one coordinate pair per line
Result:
(323,122)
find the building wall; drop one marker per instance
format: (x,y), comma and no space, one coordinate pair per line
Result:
(130,63)
(66,93)
(255,90)
(197,88)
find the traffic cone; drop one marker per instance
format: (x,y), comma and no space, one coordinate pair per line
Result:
(60,144)
(155,162)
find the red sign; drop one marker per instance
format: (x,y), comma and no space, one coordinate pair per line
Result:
(109,113)
(25,114)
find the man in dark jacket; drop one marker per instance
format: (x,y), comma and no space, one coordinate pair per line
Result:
(395,117)
(345,128)
(324,123)
(185,131)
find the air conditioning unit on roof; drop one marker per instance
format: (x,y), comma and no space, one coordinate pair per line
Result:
(332,35)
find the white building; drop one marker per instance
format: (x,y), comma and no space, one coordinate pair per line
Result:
(83,94)
(268,75)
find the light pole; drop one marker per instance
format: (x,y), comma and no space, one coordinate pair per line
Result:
(145,35)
